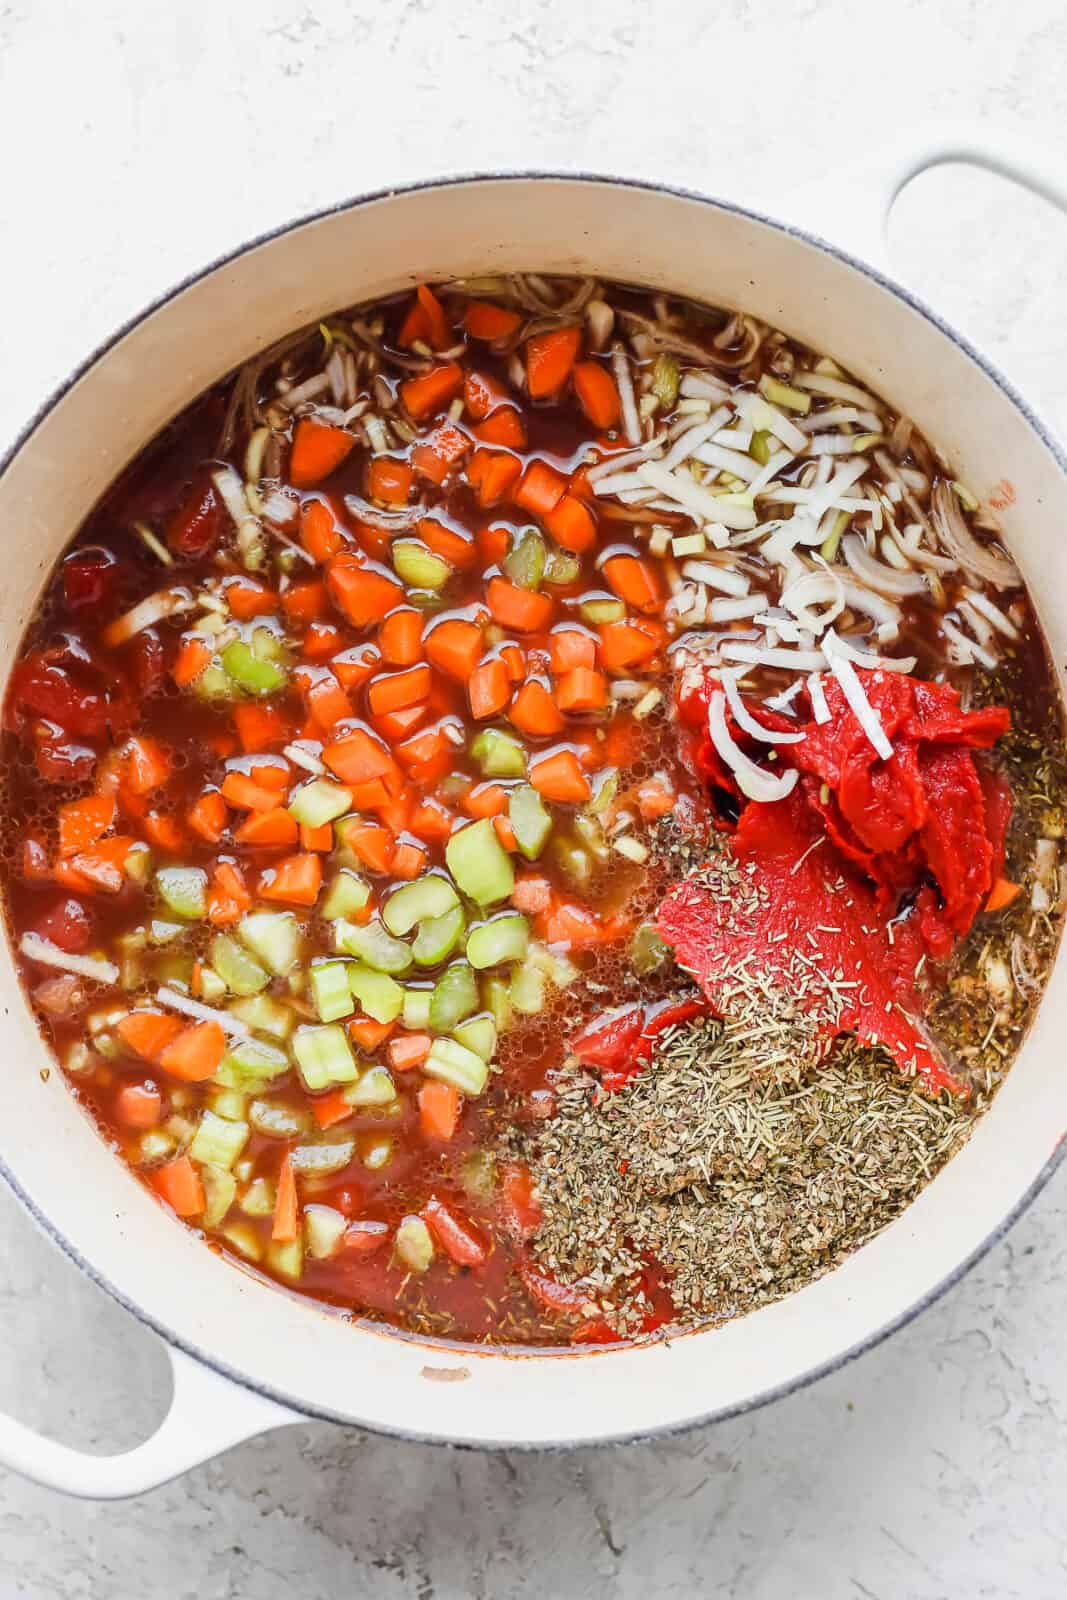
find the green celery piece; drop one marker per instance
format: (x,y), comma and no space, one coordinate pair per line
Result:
(214,683)
(183,891)
(530,820)
(478,1034)
(217,1141)
(250,1061)
(665,378)
(453,1063)
(437,937)
(324,1056)
(556,967)
(269,646)
(648,952)
(239,971)
(455,996)
(496,995)
(528,986)
(318,1160)
(330,990)
(220,1189)
(259,1198)
(244,1239)
(320,801)
(273,936)
(287,1260)
(605,788)
(380,996)
(430,896)
(588,827)
(347,894)
(479,863)
(262,1013)
(276,1120)
(572,859)
(416,1013)
(249,673)
(162,931)
(375,1088)
(601,608)
(561,567)
(230,1103)
(413,1244)
(374,945)
(498,754)
(323,1230)
(524,563)
(784,395)
(212,988)
(506,938)
(418,567)
(760,448)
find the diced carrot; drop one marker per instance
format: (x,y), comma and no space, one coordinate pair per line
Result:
(656,798)
(505,427)
(483,320)
(321,641)
(275,827)
(634,581)
(581,487)
(492,475)
(361,594)
(455,547)
(438,331)
(431,391)
(83,822)
(505,832)
(178,1183)
(435,456)
(239,791)
(570,648)
(207,816)
(408,1050)
(163,831)
(514,659)
(195,1052)
(139,1105)
(372,844)
(319,533)
(622,744)
(519,1199)
(396,725)
(296,881)
(194,654)
(454,1234)
(220,743)
(148,766)
(454,646)
(432,821)
(415,328)
(103,865)
(483,395)
(560,777)
(522,609)
(493,544)
(396,690)
(304,602)
(367,1034)
(400,638)
(589,743)
(390,480)
(582,689)
(273,774)
(228,896)
(356,758)
(550,359)
(532,893)
(485,800)
(572,524)
(327,702)
(147,1033)
(569,923)
(286,1209)
(623,646)
(540,489)
(489,689)
(534,711)
(1002,894)
(330,1108)
(320,838)
(598,394)
(248,598)
(318,449)
(408,860)
(439,1108)
(260,725)
(353,667)
(369,796)
(425,746)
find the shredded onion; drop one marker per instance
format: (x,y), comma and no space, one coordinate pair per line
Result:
(956,538)
(691,437)
(700,502)
(781,702)
(744,718)
(819,383)
(752,780)
(868,658)
(817,695)
(202,1013)
(993,613)
(631,423)
(741,466)
(50,955)
(390,521)
(852,688)
(301,757)
(728,580)
(815,589)
(884,580)
(759,655)
(623,458)
(146,613)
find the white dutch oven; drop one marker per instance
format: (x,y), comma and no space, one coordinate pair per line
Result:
(248,1357)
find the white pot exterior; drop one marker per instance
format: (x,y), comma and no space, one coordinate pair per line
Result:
(277,1342)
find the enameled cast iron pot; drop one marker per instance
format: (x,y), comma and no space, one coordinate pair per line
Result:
(247,1356)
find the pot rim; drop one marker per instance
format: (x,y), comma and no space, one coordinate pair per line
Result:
(836,1363)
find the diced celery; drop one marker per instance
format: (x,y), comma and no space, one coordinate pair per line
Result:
(561,567)
(373,944)
(414,1246)
(217,1141)
(269,646)
(229,1103)
(323,1230)
(380,996)
(784,395)
(479,863)
(524,563)
(506,938)
(478,1175)
(214,683)
(276,1120)
(601,608)
(238,970)
(430,896)
(212,988)
(417,566)
(530,820)
(375,1088)
(287,1260)
(605,788)
(438,937)
(330,990)
(528,986)
(320,801)
(377,1153)
(497,997)
(244,1239)
(155,1146)
(263,1014)
(175,969)
(273,936)
(455,996)
(248,672)
(648,952)
(416,1013)
(590,831)
(498,754)
(572,859)
(347,894)
(556,967)
(183,891)
(259,1198)
(220,1190)
(479,1035)
(760,447)
(249,1061)
(162,931)
(319,1159)
(454,1063)
(324,1056)
(665,377)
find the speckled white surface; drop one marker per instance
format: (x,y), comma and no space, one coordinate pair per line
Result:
(141,140)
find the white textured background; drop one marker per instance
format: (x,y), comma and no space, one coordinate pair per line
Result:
(140,139)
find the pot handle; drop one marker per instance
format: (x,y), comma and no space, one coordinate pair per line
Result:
(208,1414)
(851,208)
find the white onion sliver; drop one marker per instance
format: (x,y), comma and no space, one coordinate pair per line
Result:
(875,574)
(852,688)
(758,655)
(686,443)
(1003,624)
(867,658)
(623,458)
(631,423)
(50,955)
(302,757)
(781,702)
(817,695)
(146,613)
(752,780)
(728,580)
(744,718)
(732,610)
(817,383)
(700,502)
(815,589)
(702,386)
(713,455)
(202,1013)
